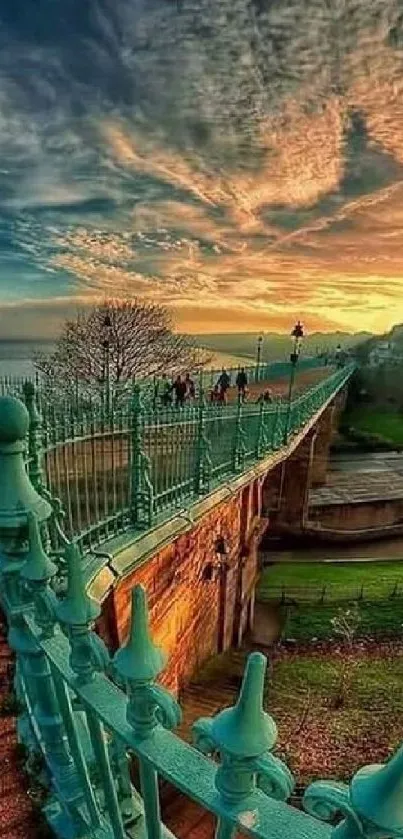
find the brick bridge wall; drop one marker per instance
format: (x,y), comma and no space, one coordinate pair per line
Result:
(201,602)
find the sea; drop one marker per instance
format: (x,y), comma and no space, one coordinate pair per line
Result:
(16,357)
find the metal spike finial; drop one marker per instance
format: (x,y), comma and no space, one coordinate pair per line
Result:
(376,794)
(372,805)
(77,608)
(246,730)
(38,567)
(140,659)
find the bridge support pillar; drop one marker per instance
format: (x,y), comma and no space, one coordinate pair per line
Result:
(324,434)
(296,483)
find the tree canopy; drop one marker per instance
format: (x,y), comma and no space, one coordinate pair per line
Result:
(120,340)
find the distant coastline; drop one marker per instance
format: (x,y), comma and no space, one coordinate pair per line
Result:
(16,356)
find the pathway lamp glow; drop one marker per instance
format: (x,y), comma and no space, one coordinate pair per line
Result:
(258,357)
(106,345)
(297,335)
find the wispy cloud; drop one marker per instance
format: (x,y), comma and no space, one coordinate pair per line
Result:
(241,163)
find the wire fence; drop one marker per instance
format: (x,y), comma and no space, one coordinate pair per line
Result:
(139,464)
(371,591)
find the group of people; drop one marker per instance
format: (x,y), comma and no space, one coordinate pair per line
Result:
(179,391)
(182,389)
(219,393)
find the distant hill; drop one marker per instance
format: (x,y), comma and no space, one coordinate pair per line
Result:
(394,338)
(277,346)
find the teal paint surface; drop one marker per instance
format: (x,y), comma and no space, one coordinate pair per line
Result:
(87,714)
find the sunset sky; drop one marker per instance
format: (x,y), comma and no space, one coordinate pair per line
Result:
(239,160)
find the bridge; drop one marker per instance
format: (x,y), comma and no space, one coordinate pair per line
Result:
(189,540)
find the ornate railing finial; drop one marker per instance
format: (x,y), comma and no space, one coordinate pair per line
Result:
(243,735)
(372,804)
(78,612)
(76,607)
(138,664)
(18,496)
(38,572)
(38,567)
(140,659)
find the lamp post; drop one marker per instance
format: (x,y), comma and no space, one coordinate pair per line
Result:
(258,356)
(297,336)
(106,343)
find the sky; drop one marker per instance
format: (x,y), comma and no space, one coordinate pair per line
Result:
(239,161)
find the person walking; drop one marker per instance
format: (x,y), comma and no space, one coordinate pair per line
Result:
(242,384)
(190,388)
(180,391)
(266,396)
(166,391)
(223,384)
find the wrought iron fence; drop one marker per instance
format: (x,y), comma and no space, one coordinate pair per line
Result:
(143,464)
(83,401)
(89,716)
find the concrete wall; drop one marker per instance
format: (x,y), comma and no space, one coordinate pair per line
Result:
(364,516)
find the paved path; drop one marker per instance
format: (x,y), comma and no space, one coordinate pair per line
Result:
(359,487)
(279,387)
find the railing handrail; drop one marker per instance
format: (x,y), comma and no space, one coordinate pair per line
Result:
(167,456)
(119,706)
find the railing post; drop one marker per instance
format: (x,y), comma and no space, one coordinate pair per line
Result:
(38,681)
(142,491)
(243,736)
(262,442)
(239,451)
(18,496)
(35,470)
(88,656)
(22,512)
(138,664)
(203,457)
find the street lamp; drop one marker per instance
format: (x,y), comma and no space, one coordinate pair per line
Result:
(106,344)
(258,356)
(297,335)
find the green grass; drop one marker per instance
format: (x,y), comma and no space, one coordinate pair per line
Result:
(303,621)
(304,616)
(345,579)
(334,742)
(317,737)
(386,424)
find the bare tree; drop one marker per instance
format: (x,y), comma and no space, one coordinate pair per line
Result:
(120,340)
(345,625)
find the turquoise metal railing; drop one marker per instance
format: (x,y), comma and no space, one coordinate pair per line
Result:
(85,402)
(142,464)
(91,717)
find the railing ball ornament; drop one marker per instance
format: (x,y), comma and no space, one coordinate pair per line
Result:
(14,420)
(18,497)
